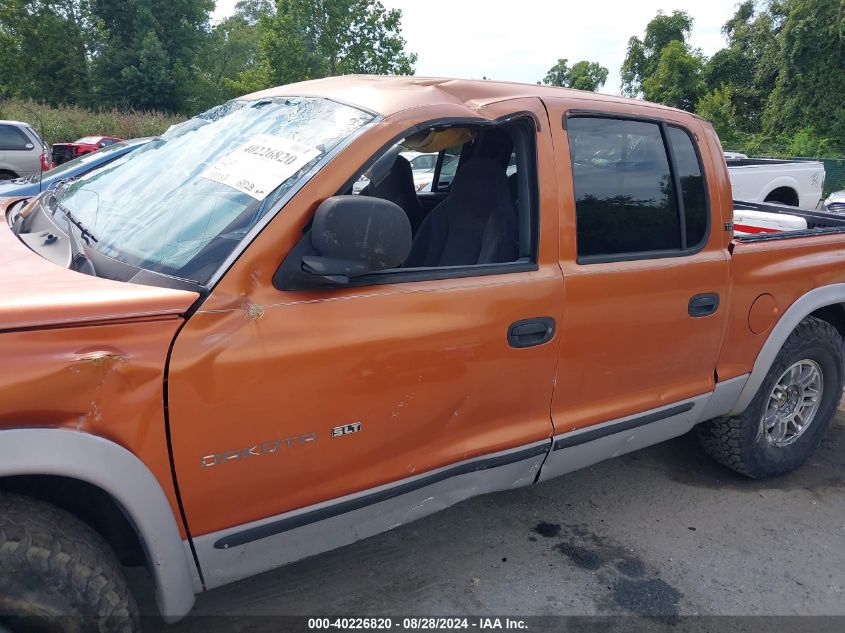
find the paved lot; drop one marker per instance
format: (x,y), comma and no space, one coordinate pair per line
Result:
(662,531)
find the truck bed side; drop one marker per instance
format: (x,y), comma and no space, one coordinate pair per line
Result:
(769,274)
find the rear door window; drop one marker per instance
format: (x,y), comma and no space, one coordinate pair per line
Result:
(635,199)
(693,191)
(624,195)
(11,138)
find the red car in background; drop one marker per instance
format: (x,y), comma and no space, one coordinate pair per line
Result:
(63,152)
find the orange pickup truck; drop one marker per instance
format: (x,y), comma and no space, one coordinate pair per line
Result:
(217,359)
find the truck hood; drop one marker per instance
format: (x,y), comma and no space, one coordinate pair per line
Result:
(35,293)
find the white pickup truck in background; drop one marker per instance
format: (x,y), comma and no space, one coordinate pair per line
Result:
(797,183)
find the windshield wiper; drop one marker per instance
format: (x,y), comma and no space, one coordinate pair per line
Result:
(78,259)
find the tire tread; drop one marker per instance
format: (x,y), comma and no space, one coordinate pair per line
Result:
(726,439)
(44,546)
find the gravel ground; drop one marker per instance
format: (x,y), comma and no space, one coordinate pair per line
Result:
(664,531)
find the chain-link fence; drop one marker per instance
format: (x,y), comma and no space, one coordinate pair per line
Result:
(834,178)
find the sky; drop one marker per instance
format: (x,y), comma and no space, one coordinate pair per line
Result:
(519,40)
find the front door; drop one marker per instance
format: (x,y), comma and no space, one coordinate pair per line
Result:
(280,400)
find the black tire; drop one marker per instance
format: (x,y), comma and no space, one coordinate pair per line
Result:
(7,175)
(739,442)
(57,574)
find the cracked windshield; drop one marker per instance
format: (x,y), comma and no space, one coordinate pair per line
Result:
(181,204)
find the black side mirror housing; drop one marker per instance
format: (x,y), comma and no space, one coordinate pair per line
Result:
(350,236)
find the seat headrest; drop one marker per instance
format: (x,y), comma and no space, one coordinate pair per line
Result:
(480,175)
(498,145)
(382,167)
(401,166)
(399,175)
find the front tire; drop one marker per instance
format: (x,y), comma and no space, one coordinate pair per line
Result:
(791,412)
(57,574)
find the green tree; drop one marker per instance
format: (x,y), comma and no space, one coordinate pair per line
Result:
(251,11)
(308,39)
(145,52)
(810,84)
(151,79)
(583,75)
(229,56)
(718,108)
(558,74)
(676,81)
(644,55)
(749,64)
(43,50)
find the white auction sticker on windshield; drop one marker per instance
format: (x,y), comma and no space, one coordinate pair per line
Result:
(260,165)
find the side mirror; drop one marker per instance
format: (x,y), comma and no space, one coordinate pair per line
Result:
(352,236)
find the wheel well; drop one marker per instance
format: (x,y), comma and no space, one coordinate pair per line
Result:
(87,502)
(8,172)
(833,314)
(784,195)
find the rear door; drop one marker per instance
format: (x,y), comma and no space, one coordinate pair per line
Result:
(645,269)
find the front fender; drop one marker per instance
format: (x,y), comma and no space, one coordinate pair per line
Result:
(115,470)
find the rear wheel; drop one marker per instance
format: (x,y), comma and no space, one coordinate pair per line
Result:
(7,175)
(57,574)
(790,414)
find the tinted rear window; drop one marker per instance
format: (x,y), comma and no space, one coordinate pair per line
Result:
(692,186)
(624,195)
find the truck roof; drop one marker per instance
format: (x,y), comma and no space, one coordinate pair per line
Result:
(388,94)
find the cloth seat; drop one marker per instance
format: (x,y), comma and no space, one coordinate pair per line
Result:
(398,187)
(476,224)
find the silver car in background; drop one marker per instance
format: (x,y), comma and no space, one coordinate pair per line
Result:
(835,202)
(22,152)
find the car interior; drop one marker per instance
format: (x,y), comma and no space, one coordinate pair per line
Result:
(473,203)
(481,212)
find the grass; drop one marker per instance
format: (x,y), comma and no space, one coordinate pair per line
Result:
(68,123)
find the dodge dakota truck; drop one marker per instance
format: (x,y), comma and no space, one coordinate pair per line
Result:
(217,359)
